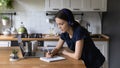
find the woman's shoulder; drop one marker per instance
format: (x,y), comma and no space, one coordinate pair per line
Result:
(79,29)
(64,35)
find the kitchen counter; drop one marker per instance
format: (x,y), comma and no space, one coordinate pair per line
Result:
(13,38)
(99,37)
(95,37)
(35,62)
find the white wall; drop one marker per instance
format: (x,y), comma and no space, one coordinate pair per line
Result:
(32,14)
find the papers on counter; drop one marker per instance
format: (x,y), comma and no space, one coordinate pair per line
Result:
(55,58)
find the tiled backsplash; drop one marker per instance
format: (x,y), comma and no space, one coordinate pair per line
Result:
(36,22)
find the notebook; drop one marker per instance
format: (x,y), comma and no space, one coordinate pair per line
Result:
(55,58)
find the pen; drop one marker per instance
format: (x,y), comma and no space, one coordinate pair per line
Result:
(47,49)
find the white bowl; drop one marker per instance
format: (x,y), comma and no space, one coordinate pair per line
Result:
(6,33)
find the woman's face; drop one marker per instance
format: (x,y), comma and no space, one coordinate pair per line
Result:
(62,24)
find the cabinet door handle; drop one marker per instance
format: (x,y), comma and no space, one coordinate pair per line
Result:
(96,9)
(76,9)
(55,9)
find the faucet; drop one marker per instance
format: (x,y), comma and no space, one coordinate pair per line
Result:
(87,25)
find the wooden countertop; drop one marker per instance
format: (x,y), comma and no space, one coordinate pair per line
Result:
(49,38)
(35,62)
(12,38)
(102,37)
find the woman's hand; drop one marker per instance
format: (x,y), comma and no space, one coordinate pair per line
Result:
(52,53)
(49,55)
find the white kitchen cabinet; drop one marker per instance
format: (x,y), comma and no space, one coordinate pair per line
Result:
(66,3)
(103,47)
(52,43)
(76,5)
(95,5)
(5,43)
(53,5)
(98,5)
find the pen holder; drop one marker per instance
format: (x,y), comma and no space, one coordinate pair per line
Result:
(28,47)
(34,45)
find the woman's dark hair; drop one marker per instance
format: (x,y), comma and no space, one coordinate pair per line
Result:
(67,15)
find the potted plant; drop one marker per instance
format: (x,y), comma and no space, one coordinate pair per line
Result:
(5,20)
(14,51)
(13,55)
(6,4)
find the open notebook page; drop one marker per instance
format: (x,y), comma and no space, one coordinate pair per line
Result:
(55,58)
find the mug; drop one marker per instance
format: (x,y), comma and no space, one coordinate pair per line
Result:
(28,47)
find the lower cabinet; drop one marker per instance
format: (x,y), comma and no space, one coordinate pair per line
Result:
(15,43)
(5,43)
(52,43)
(103,47)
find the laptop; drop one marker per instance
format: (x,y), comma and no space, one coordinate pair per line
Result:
(36,54)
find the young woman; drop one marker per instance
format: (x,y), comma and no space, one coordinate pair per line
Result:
(80,44)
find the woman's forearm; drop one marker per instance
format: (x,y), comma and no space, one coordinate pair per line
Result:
(71,54)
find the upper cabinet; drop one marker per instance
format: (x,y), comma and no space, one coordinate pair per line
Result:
(76,5)
(97,5)
(53,5)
